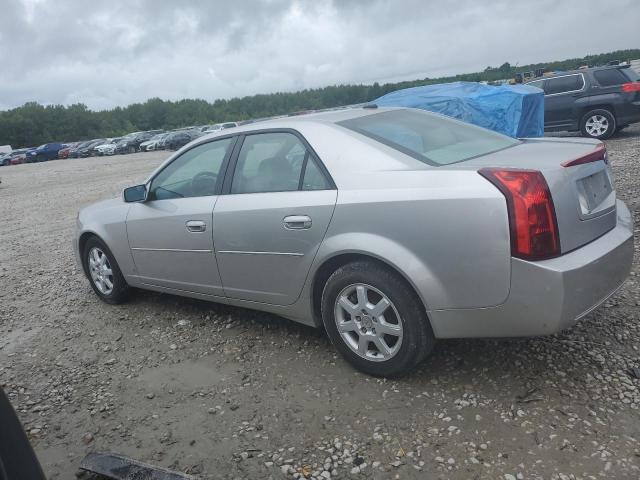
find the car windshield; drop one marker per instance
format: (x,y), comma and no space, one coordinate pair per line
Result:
(432,139)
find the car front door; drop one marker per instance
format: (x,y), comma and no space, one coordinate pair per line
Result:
(562,97)
(170,234)
(269,225)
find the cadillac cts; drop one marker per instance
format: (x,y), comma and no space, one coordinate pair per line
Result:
(389,227)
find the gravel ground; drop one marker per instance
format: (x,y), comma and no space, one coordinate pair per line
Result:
(230,393)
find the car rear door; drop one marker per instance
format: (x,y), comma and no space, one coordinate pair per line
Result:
(268,226)
(170,234)
(563,96)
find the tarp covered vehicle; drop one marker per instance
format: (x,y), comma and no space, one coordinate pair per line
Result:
(514,110)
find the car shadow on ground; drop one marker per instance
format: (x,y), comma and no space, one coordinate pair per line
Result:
(567,361)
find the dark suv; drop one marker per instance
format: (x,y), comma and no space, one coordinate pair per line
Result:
(48,151)
(596,101)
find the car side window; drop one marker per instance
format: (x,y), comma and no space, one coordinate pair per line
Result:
(192,174)
(567,83)
(610,77)
(313,178)
(269,162)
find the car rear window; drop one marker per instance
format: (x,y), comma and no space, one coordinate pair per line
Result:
(432,139)
(610,77)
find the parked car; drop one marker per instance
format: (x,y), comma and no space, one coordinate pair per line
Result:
(176,140)
(5,159)
(152,143)
(88,149)
(389,227)
(211,128)
(131,143)
(108,147)
(66,149)
(19,156)
(48,151)
(595,101)
(74,152)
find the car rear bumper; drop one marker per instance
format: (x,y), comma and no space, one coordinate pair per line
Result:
(628,113)
(551,295)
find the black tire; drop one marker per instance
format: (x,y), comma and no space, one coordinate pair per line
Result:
(121,291)
(417,336)
(6,162)
(602,113)
(132,149)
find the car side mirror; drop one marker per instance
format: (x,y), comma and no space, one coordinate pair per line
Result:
(135,194)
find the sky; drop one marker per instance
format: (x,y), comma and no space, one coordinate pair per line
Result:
(108,53)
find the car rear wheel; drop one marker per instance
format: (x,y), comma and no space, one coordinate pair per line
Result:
(103,272)
(375,320)
(132,149)
(598,124)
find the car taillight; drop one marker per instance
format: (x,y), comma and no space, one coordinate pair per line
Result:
(600,153)
(631,87)
(532,216)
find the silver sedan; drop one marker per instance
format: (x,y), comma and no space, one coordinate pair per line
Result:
(388,227)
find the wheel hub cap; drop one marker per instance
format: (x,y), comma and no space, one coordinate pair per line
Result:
(100,271)
(596,125)
(368,322)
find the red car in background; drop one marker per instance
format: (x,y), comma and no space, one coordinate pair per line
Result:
(64,152)
(19,156)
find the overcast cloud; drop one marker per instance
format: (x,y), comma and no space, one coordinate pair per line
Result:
(115,52)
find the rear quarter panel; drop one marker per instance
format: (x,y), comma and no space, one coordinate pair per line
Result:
(446,231)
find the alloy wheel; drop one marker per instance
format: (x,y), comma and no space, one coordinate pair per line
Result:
(100,270)
(596,125)
(368,322)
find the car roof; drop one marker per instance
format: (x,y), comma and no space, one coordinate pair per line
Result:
(579,70)
(322,117)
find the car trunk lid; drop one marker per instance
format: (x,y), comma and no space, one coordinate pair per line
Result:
(579,180)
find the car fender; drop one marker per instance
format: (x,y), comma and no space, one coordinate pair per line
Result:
(107,220)
(415,271)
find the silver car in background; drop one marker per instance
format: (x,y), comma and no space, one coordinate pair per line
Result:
(389,227)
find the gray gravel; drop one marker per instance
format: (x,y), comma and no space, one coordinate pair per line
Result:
(230,393)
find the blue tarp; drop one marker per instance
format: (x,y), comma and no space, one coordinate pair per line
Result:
(515,110)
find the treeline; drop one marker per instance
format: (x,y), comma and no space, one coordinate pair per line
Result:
(33,124)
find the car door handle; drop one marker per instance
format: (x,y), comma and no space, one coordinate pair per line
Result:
(196,226)
(297,222)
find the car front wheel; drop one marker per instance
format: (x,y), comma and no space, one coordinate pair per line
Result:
(375,319)
(103,272)
(600,124)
